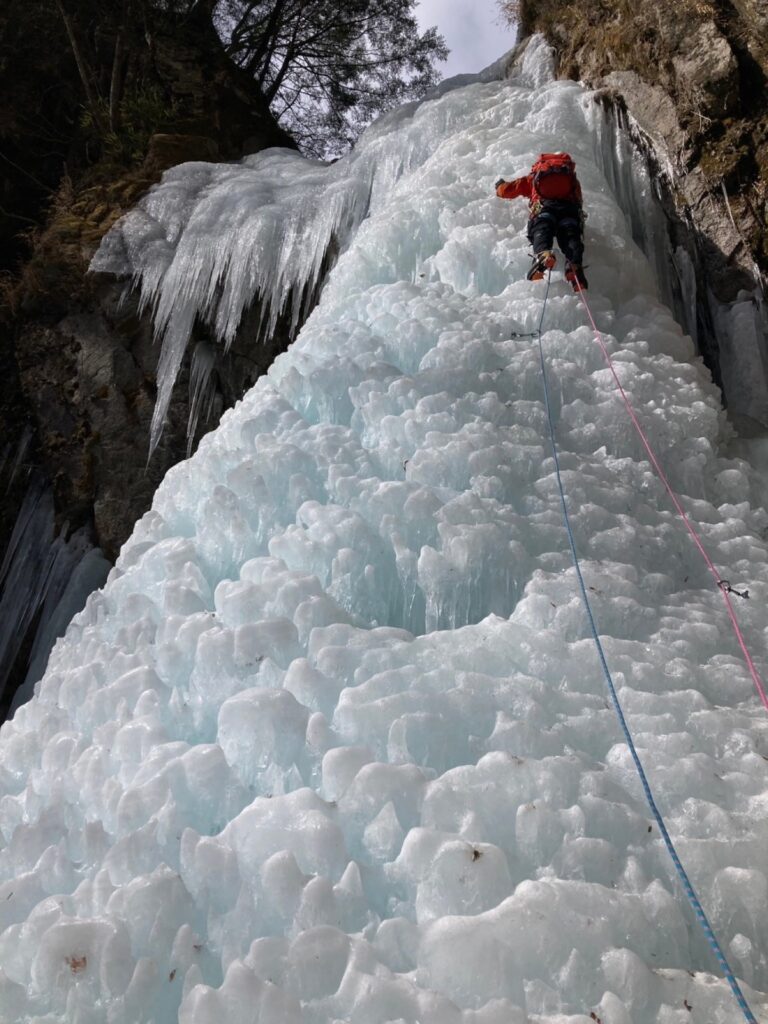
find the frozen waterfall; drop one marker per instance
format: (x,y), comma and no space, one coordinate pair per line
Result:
(332,743)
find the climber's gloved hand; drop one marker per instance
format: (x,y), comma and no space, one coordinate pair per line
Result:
(501,181)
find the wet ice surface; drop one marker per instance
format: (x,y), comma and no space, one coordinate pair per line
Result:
(332,744)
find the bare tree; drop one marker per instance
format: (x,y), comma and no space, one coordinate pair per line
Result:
(328,68)
(84,70)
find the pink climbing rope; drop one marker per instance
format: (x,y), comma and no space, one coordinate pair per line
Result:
(681,511)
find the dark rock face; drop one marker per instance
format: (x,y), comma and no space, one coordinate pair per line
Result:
(689,80)
(90,382)
(80,405)
(82,360)
(84,385)
(78,361)
(166,151)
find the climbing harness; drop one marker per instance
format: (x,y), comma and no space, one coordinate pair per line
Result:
(726,591)
(690,892)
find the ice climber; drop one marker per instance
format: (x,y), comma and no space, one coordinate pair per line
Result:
(556,211)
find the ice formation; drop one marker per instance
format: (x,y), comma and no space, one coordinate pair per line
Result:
(213,237)
(332,744)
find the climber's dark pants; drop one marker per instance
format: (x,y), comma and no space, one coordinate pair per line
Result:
(561,220)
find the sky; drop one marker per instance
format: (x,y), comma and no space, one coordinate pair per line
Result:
(472,29)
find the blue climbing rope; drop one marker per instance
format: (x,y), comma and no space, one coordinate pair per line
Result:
(690,892)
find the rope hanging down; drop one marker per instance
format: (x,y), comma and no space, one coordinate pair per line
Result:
(690,892)
(722,585)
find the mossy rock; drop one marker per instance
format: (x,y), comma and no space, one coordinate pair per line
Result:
(134,190)
(166,151)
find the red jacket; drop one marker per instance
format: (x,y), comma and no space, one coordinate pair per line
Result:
(523,187)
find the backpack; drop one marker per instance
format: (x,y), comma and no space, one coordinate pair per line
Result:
(554,176)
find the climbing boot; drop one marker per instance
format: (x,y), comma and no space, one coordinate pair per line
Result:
(575,274)
(542,262)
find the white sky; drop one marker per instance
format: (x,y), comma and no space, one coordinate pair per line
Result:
(472,29)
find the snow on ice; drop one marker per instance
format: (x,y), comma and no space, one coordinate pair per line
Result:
(332,744)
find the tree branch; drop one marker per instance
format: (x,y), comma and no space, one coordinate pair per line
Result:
(115,92)
(83,70)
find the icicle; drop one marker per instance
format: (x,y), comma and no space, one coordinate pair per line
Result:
(37,573)
(75,576)
(22,447)
(21,453)
(24,572)
(202,389)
